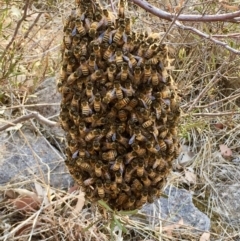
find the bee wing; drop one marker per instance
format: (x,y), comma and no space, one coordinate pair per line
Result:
(132,139)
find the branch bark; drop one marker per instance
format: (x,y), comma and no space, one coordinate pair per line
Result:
(230,17)
(35,115)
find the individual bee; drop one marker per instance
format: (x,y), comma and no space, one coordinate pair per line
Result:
(146,72)
(84,66)
(119,37)
(111,134)
(118,57)
(122,115)
(130,156)
(140,151)
(107,186)
(122,198)
(128,45)
(151,51)
(109,155)
(92,134)
(151,173)
(130,203)
(132,104)
(118,90)
(131,59)
(76,41)
(138,134)
(157,107)
(127,25)
(157,179)
(97,102)
(63,73)
(147,124)
(100,188)
(118,177)
(89,90)
(83,47)
(92,63)
(86,110)
(82,129)
(70,66)
(143,199)
(64,122)
(112,114)
(80,28)
(77,52)
(162,144)
(122,140)
(96,145)
(121,9)
(73,146)
(142,49)
(109,146)
(84,165)
(93,29)
(96,50)
(137,75)
(146,181)
(73,131)
(107,18)
(146,100)
(166,93)
(109,52)
(152,148)
(154,60)
(106,36)
(96,75)
(155,77)
(122,103)
(140,168)
(111,72)
(98,169)
(117,164)
(136,185)
(126,188)
(67,38)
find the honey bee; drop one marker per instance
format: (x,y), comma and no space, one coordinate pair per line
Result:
(84,66)
(136,185)
(122,115)
(142,49)
(111,72)
(157,179)
(73,131)
(130,203)
(92,134)
(131,59)
(84,165)
(126,188)
(132,104)
(119,57)
(93,29)
(137,75)
(100,188)
(96,50)
(151,51)
(153,149)
(109,52)
(77,52)
(157,107)
(82,129)
(155,77)
(96,75)
(122,198)
(70,66)
(117,164)
(127,25)
(64,122)
(140,151)
(118,90)
(121,9)
(143,199)
(119,36)
(151,173)
(106,36)
(122,140)
(109,156)
(67,38)
(96,145)
(73,146)
(63,74)
(86,110)
(97,102)
(162,145)
(146,181)
(109,146)
(130,156)
(139,135)
(147,124)
(89,90)
(166,93)
(140,168)
(154,60)
(98,169)
(111,134)
(83,47)
(92,63)
(107,18)
(122,103)
(107,186)
(80,28)
(164,117)
(118,177)
(128,45)
(147,71)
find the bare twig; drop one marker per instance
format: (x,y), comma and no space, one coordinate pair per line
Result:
(212,114)
(207,36)
(213,81)
(35,115)
(229,17)
(17,28)
(30,105)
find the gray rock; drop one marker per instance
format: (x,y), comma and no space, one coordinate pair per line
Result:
(229,207)
(25,155)
(46,93)
(177,206)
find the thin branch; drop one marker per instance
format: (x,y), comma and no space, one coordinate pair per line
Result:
(212,114)
(35,115)
(230,17)
(17,28)
(213,81)
(207,36)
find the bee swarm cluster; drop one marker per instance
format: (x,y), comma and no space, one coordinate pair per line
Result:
(119,107)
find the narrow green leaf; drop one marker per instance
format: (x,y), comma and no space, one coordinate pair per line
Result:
(131,212)
(103,204)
